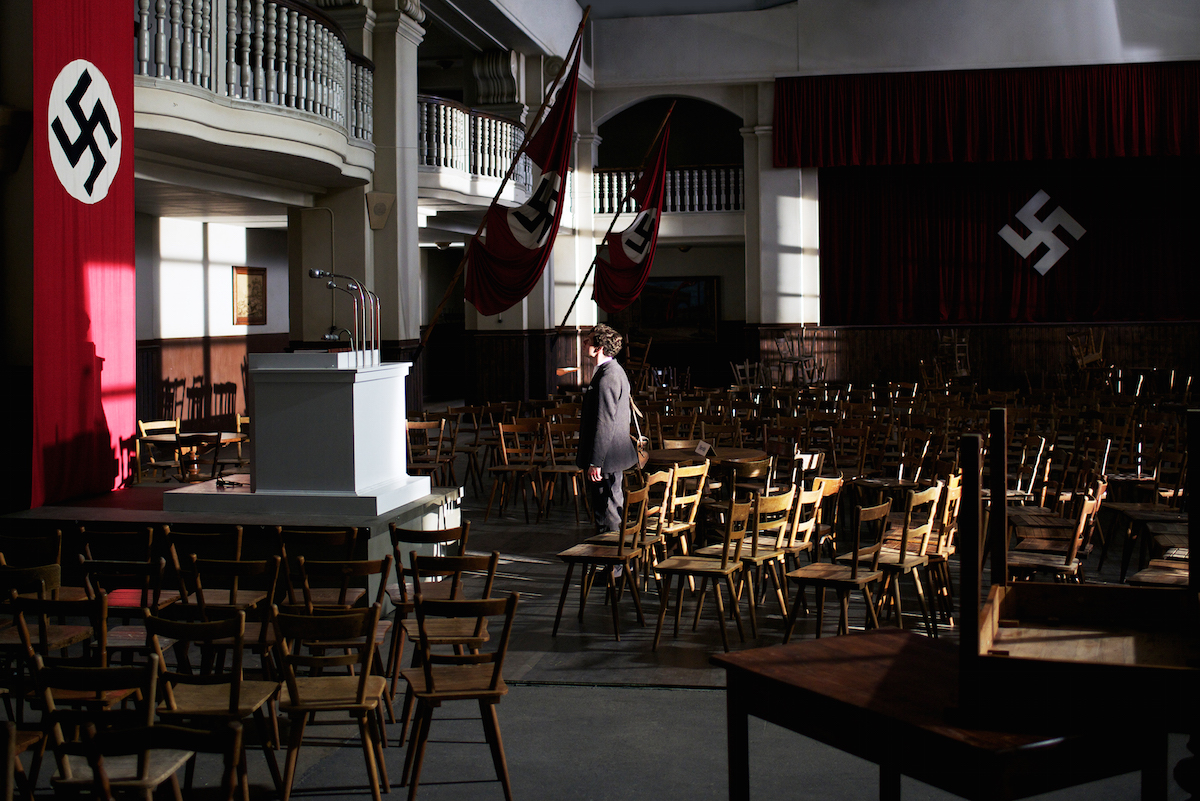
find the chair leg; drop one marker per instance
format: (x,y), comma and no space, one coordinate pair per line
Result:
(664,599)
(367,736)
(296,724)
(737,614)
(930,626)
(260,724)
(416,748)
(562,599)
(721,612)
(491,731)
(610,588)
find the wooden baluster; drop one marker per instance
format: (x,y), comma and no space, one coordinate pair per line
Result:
(293,86)
(186,44)
(281,56)
(206,65)
(272,74)
(198,73)
(143,50)
(160,39)
(247,75)
(260,89)
(175,39)
(310,71)
(231,67)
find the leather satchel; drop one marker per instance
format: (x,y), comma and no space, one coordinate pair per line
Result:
(641,441)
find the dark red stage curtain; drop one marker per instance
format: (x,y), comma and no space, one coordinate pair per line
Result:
(83,285)
(922,245)
(988,115)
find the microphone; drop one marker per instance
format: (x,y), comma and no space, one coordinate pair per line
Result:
(319,274)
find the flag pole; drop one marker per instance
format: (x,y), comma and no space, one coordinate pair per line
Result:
(462,264)
(612,225)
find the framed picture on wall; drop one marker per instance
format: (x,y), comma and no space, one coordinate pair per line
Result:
(679,309)
(249,295)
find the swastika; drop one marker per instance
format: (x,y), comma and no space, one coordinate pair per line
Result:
(1042,232)
(636,238)
(531,224)
(87,131)
(83,131)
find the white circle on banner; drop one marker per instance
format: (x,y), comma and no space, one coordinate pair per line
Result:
(84,130)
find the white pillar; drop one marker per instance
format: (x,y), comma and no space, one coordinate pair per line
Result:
(397,259)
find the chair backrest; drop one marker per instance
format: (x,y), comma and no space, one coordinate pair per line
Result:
(849,450)
(109,575)
(633,519)
(147,427)
(223,740)
(772,517)
(722,434)
(1085,509)
(42,580)
(198,455)
(519,443)
(737,525)
(425,440)
(806,507)
(295,633)
(35,621)
(452,569)
(867,528)
(658,499)
(346,573)
(947,528)
(688,489)
(328,543)
(562,442)
(752,477)
(467,426)
(428,609)
(229,633)
(238,578)
(218,543)
(453,541)
(920,515)
(31,550)
(89,711)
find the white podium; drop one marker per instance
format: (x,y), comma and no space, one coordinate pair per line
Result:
(328,438)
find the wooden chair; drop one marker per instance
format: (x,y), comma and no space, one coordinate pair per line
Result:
(673,427)
(720,571)
(352,573)
(459,677)
(626,553)
(448,574)
(211,696)
(769,526)
(197,456)
(103,726)
(850,576)
(425,450)
(562,443)
(158,458)
(131,588)
(519,453)
(658,500)
(360,695)
(905,553)
(467,429)
(1024,563)
(31,549)
(235,456)
(679,523)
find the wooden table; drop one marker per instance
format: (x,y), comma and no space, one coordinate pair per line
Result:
(891,697)
(669,456)
(1131,520)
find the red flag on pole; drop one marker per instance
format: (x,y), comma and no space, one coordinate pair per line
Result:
(506,260)
(620,278)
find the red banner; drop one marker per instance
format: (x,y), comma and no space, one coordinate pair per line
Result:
(620,278)
(84,377)
(506,260)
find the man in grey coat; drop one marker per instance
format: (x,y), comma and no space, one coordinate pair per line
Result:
(605,447)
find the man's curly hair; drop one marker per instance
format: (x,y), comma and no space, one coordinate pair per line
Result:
(606,339)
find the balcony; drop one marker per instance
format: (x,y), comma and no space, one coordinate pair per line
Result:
(463,154)
(700,204)
(264,88)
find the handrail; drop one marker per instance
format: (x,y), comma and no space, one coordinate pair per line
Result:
(454,136)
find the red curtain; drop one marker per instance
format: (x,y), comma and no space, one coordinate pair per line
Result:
(921,244)
(84,398)
(988,115)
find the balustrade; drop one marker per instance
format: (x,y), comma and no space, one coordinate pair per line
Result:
(452,136)
(716,188)
(277,52)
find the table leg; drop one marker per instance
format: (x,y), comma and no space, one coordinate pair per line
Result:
(738,736)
